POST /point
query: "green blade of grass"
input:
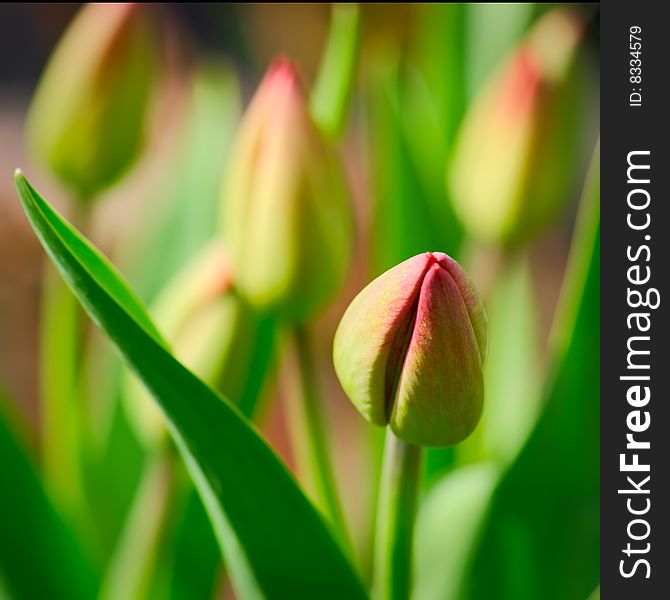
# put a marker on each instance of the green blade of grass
(274, 542)
(39, 555)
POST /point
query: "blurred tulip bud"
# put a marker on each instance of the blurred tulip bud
(87, 118)
(512, 164)
(410, 348)
(208, 328)
(286, 211)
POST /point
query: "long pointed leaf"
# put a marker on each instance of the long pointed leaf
(39, 555)
(537, 532)
(274, 541)
(540, 519)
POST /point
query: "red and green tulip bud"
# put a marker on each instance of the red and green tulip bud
(410, 348)
(87, 118)
(512, 164)
(287, 216)
(207, 327)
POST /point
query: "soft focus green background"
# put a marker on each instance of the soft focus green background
(512, 513)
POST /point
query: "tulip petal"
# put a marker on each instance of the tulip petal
(439, 398)
(472, 299)
(509, 174)
(365, 337)
(287, 216)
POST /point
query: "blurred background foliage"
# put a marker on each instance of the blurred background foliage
(511, 513)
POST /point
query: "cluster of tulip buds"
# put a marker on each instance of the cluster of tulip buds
(410, 348)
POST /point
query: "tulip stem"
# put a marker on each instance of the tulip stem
(398, 495)
(60, 338)
(133, 563)
(312, 441)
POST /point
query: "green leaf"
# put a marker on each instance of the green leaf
(595, 595)
(534, 531)
(182, 214)
(177, 219)
(543, 522)
(331, 96)
(447, 529)
(39, 555)
(190, 574)
(512, 372)
(132, 566)
(274, 541)
(405, 218)
(433, 103)
(436, 98)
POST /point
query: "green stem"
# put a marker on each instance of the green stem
(309, 435)
(398, 495)
(60, 351)
(133, 564)
(332, 91)
(577, 267)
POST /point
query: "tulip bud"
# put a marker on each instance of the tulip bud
(286, 211)
(208, 328)
(512, 162)
(87, 118)
(410, 348)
